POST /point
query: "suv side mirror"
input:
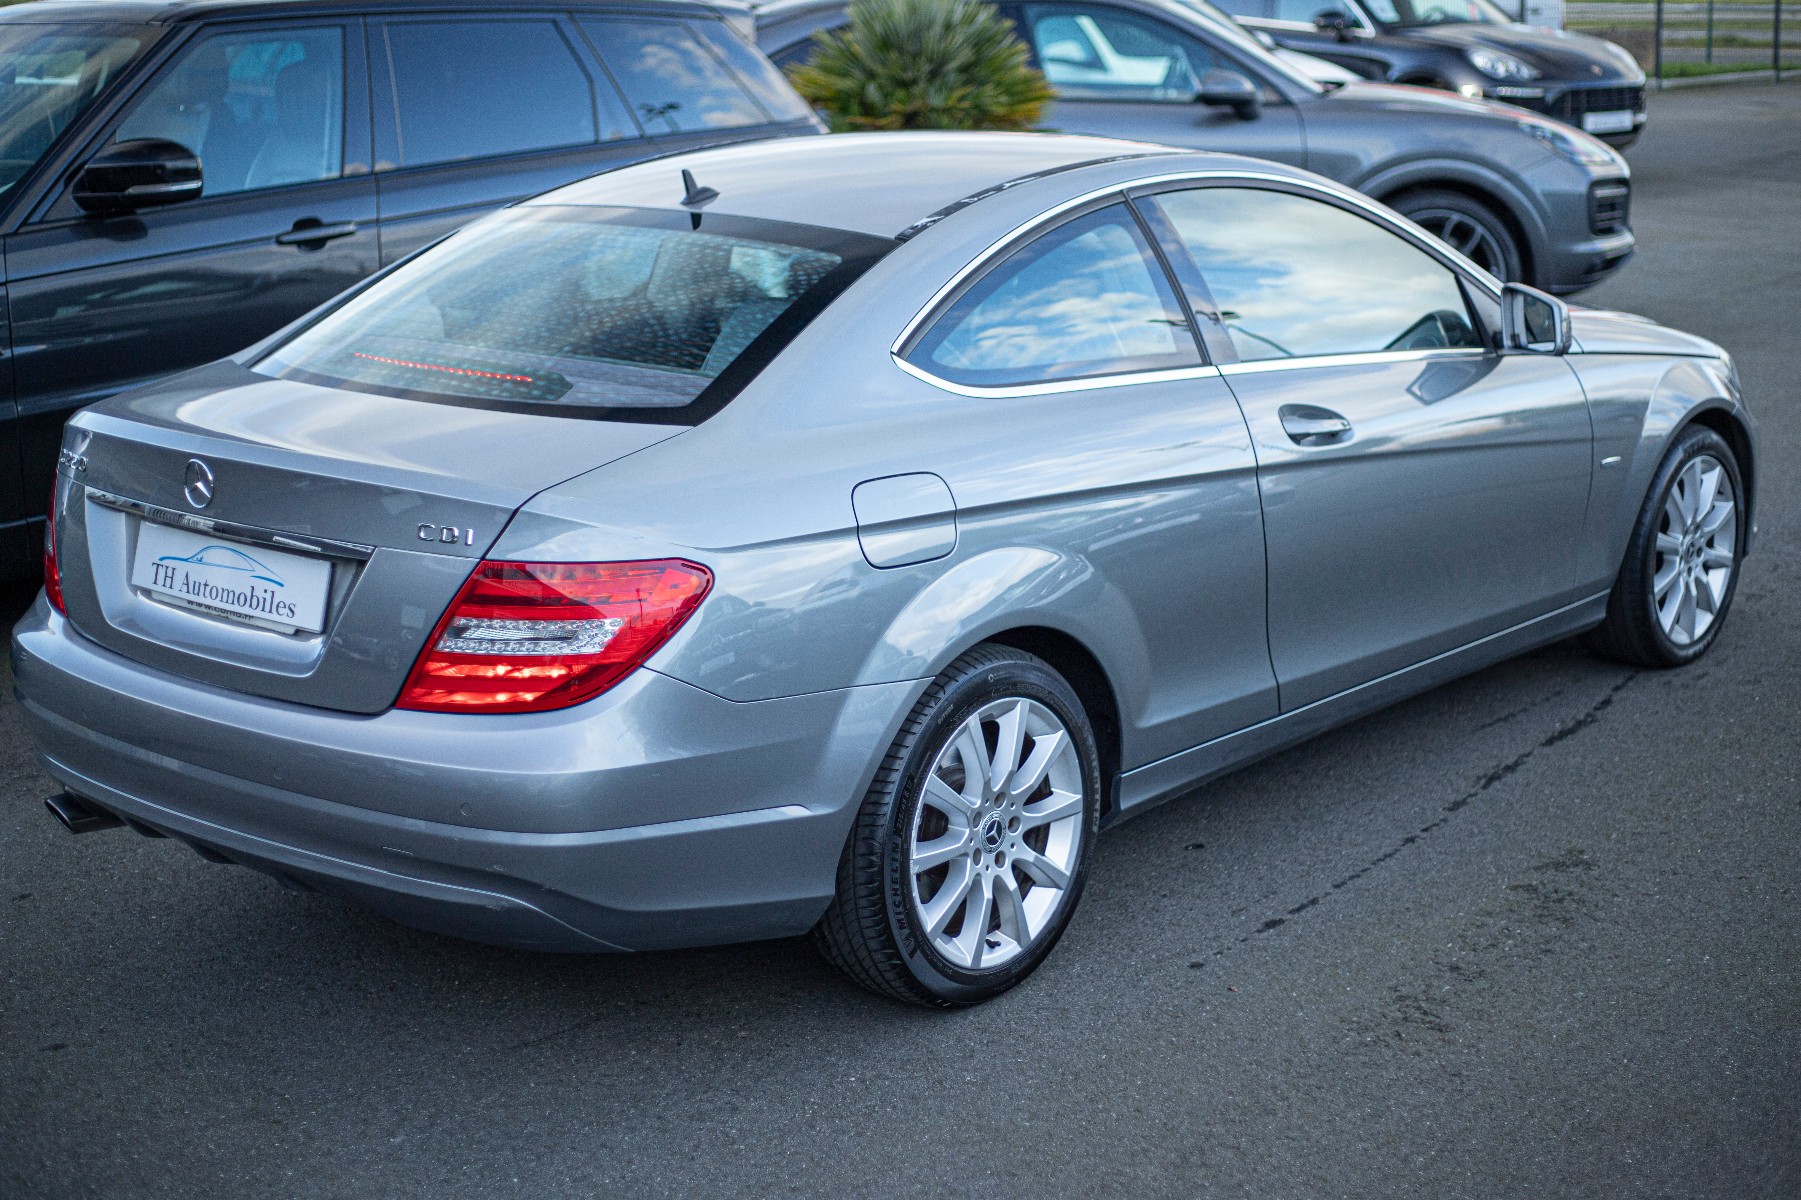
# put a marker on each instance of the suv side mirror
(1229, 89)
(141, 173)
(1335, 23)
(1533, 322)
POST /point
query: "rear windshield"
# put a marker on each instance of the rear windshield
(49, 74)
(632, 314)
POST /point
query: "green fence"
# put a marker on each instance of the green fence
(1675, 39)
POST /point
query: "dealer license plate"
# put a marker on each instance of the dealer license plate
(231, 579)
(1616, 121)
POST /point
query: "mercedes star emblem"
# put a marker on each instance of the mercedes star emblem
(199, 489)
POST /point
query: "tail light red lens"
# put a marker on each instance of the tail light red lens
(53, 576)
(529, 637)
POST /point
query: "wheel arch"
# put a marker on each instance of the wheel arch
(1489, 197)
(1723, 420)
(1078, 665)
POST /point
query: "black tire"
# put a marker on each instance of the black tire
(1633, 631)
(873, 930)
(1468, 226)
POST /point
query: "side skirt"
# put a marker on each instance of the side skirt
(1144, 787)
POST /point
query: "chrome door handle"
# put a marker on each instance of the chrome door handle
(309, 231)
(1306, 425)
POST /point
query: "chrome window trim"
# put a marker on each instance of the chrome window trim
(1055, 386)
(996, 249)
(250, 534)
(1364, 358)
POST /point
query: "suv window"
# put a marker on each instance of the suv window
(479, 88)
(51, 74)
(1087, 298)
(1294, 276)
(673, 83)
(757, 73)
(261, 109)
(1097, 53)
(1305, 12)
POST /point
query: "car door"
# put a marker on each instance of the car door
(278, 114)
(477, 111)
(1094, 432)
(1119, 72)
(1420, 490)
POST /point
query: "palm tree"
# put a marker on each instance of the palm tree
(924, 64)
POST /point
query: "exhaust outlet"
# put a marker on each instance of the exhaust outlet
(78, 816)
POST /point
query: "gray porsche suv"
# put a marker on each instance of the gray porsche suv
(1526, 197)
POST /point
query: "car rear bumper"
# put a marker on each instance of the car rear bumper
(740, 850)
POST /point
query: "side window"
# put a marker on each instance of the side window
(476, 89)
(1087, 298)
(1104, 54)
(1294, 276)
(1306, 12)
(673, 83)
(1246, 8)
(754, 71)
(261, 109)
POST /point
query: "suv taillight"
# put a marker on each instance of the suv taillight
(527, 637)
(53, 576)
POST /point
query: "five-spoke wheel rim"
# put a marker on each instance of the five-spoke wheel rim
(997, 834)
(1464, 234)
(1697, 539)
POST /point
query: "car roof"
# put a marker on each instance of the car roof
(875, 183)
(169, 12)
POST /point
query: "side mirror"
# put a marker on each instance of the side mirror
(1229, 89)
(141, 173)
(1335, 23)
(1533, 322)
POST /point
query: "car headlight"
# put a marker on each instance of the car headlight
(1572, 144)
(1497, 65)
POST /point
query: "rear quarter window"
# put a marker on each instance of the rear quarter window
(673, 81)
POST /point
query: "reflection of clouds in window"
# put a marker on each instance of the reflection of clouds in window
(1083, 300)
(1294, 276)
(672, 81)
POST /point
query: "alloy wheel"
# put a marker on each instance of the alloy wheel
(1465, 235)
(997, 834)
(1697, 540)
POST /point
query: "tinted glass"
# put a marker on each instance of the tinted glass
(1088, 298)
(1308, 11)
(261, 109)
(49, 74)
(1437, 12)
(754, 71)
(1103, 53)
(1294, 276)
(475, 89)
(566, 308)
(673, 82)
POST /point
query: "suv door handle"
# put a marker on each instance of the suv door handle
(311, 231)
(1310, 426)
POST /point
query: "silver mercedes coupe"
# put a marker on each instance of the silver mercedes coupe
(835, 534)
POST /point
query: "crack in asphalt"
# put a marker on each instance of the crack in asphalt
(1567, 730)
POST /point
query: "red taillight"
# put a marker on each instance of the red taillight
(526, 637)
(53, 577)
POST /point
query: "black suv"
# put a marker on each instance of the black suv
(178, 180)
(1467, 46)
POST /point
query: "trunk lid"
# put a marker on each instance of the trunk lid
(398, 498)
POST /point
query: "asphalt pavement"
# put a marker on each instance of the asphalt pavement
(1532, 934)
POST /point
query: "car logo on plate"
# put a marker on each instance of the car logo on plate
(228, 559)
(199, 488)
